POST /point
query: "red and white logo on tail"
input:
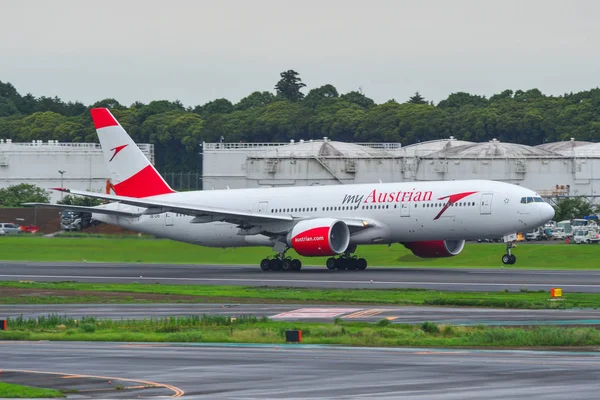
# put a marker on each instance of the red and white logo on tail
(131, 173)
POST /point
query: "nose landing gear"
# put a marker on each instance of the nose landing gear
(509, 258)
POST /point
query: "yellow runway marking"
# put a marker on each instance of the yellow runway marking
(364, 313)
(390, 318)
(176, 391)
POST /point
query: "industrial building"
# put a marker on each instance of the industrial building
(53, 164)
(552, 169)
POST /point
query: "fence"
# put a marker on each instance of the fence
(184, 181)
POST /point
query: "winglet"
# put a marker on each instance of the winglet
(103, 118)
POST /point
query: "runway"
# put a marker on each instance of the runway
(320, 313)
(464, 279)
(297, 371)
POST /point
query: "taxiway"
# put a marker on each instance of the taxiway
(298, 371)
(312, 313)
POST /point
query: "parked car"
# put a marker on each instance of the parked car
(29, 228)
(7, 228)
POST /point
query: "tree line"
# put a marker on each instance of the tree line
(526, 117)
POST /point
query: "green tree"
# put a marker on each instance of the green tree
(255, 100)
(320, 95)
(72, 200)
(462, 99)
(7, 107)
(289, 86)
(109, 103)
(16, 195)
(358, 98)
(218, 106)
(417, 99)
(573, 207)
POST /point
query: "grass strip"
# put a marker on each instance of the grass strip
(11, 391)
(135, 250)
(249, 329)
(523, 299)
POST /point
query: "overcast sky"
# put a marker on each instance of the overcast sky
(196, 51)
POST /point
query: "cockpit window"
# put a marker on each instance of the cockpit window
(527, 200)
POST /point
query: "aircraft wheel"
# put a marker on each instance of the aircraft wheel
(362, 264)
(513, 259)
(276, 264)
(331, 263)
(352, 264)
(286, 264)
(265, 265)
(296, 265)
(506, 259)
(341, 264)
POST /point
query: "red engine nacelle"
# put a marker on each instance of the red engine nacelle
(436, 248)
(319, 237)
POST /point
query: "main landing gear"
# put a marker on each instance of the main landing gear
(280, 263)
(346, 262)
(509, 258)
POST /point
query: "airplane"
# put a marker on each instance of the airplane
(430, 218)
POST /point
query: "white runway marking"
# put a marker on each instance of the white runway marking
(288, 281)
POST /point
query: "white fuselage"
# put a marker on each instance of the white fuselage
(401, 212)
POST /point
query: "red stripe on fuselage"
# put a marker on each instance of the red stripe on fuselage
(145, 183)
(102, 118)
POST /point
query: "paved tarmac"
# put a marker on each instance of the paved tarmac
(297, 371)
(320, 313)
(463, 279)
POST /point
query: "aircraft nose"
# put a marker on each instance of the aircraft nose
(547, 212)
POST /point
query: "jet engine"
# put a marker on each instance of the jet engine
(319, 237)
(436, 248)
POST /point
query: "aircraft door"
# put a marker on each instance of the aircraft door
(263, 206)
(168, 219)
(486, 203)
(405, 209)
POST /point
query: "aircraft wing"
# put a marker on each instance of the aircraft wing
(212, 213)
(96, 210)
(201, 213)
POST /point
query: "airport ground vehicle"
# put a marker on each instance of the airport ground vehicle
(75, 221)
(586, 236)
(559, 233)
(538, 234)
(432, 219)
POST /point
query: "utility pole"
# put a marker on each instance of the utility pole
(61, 182)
